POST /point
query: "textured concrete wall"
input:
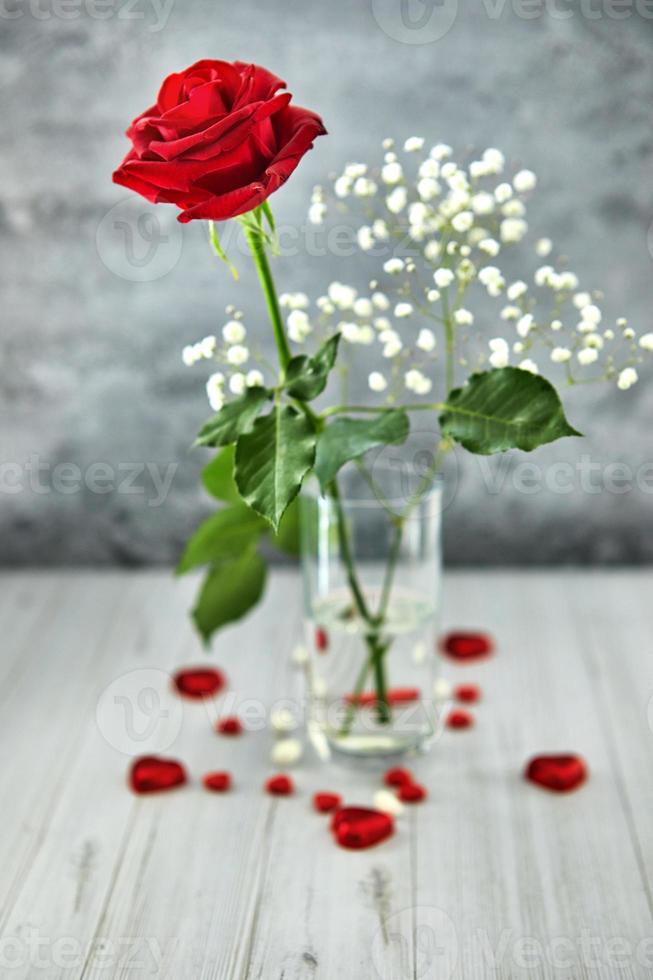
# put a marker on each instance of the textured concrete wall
(91, 371)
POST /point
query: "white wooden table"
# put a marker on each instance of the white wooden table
(492, 877)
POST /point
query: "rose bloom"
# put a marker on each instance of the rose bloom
(220, 139)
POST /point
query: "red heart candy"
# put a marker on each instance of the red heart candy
(218, 782)
(199, 682)
(403, 695)
(321, 639)
(279, 785)
(560, 773)
(397, 777)
(150, 774)
(356, 827)
(229, 726)
(468, 693)
(467, 646)
(325, 802)
(412, 793)
(459, 718)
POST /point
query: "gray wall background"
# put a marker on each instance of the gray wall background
(91, 358)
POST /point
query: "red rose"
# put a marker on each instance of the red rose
(220, 139)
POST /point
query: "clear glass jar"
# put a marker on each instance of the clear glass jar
(371, 556)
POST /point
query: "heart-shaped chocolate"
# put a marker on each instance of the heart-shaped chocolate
(326, 802)
(150, 774)
(199, 682)
(560, 773)
(280, 785)
(356, 827)
(217, 782)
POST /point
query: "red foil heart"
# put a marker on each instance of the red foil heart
(397, 777)
(150, 774)
(396, 695)
(217, 782)
(279, 785)
(229, 726)
(467, 693)
(560, 773)
(464, 646)
(357, 827)
(321, 639)
(326, 802)
(459, 718)
(199, 682)
(412, 793)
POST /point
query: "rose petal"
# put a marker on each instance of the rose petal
(199, 682)
(326, 802)
(459, 718)
(151, 774)
(412, 793)
(279, 785)
(357, 827)
(229, 726)
(467, 646)
(321, 639)
(397, 776)
(467, 693)
(560, 773)
(217, 782)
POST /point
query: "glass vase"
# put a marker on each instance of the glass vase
(371, 557)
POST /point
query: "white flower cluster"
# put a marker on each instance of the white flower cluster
(453, 222)
(232, 353)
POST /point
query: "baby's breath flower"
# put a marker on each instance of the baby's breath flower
(363, 307)
(382, 323)
(524, 181)
(365, 238)
(463, 221)
(432, 295)
(324, 304)
(483, 203)
(215, 391)
(543, 275)
(417, 382)
(443, 278)
(393, 266)
(238, 354)
(463, 317)
(645, 341)
(503, 193)
(556, 325)
(591, 314)
(355, 170)
(525, 325)
(342, 187)
(233, 332)
(189, 355)
(380, 301)
(513, 209)
(492, 279)
(396, 200)
(512, 230)
(594, 340)
(494, 160)
(629, 333)
(380, 230)
(528, 365)
(543, 247)
(510, 313)
(413, 144)
(516, 290)
(254, 379)
(478, 168)
(500, 356)
(428, 188)
(317, 213)
(392, 173)
(582, 299)
(587, 356)
(429, 168)
(343, 296)
(403, 310)
(237, 383)
(299, 326)
(441, 151)
(426, 340)
(490, 247)
(560, 355)
(627, 378)
(377, 381)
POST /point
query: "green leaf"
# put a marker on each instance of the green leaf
(229, 591)
(287, 540)
(218, 476)
(223, 537)
(272, 460)
(306, 377)
(504, 409)
(236, 417)
(219, 251)
(348, 438)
